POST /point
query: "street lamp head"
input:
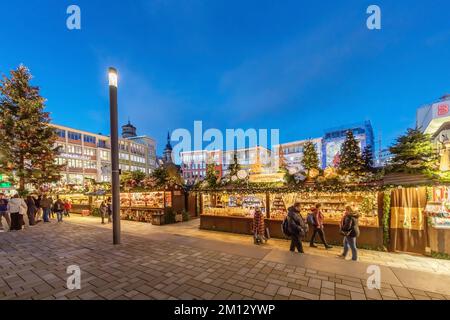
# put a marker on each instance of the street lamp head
(112, 75)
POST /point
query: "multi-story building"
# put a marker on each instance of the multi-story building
(194, 163)
(432, 116)
(88, 155)
(334, 138)
(292, 153)
(328, 147)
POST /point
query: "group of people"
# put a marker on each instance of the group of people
(296, 228)
(20, 212)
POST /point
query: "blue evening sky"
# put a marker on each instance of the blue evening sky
(300, 66)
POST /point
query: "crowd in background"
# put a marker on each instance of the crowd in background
(19, 212)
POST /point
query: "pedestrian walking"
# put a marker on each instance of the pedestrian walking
(109, 203)
(4, 211)
(31, 211)
(297, 227)
(259, 228)
(103, 210)
(39, 213)
(350, 231)
(17, 208)
(318, 228)
(52, 203)
(67, 208)
(58, 208)
(46, 205)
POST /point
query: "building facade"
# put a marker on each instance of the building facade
(194, 163)
(292, 153)
(88, 155)
(334, 138)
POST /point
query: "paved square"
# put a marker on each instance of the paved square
(181, 262)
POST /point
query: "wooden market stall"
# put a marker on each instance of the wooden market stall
(232, 211)
(152, 206)
(437, 212)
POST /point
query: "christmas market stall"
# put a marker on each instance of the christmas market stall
(153, 206)
(232, 210)
(437, 211)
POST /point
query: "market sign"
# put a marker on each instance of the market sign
(267, 177)
(5, 185)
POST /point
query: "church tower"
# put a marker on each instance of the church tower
(128, 131)
(167, 155)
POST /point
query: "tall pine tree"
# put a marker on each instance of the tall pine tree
(234, 167)
(413, 153)
(27, 140)
(367, 158)
(211, 174)
(350, 160)
(310, 158)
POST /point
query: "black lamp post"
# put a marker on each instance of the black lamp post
(115, 182)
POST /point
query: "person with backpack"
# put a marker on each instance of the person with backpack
(295, 227)
(317, 223)
(350, 231)
(58, 208)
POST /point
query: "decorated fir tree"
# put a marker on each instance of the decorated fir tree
(413, 153)
(211, 174)
(27, 140)
(234, 167)
(350, 160)
(367, 158)
(310, 158)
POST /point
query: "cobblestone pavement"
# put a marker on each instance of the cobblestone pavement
(155, 263)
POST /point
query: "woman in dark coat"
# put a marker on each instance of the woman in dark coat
(31, 211)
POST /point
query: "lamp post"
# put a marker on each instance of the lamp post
(115, 182)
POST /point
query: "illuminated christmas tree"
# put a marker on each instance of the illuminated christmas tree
(27, 140)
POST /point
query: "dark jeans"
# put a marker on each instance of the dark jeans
(296, 243)
(46, 214)
(350, 242)
(321, 234)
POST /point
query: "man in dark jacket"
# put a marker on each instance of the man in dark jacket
(350, 231)
(297, 227)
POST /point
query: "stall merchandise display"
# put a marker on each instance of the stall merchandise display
(438, 208)
(233, 204)
(144, 199)
(333, 205)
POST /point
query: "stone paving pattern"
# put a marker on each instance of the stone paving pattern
(34, 261)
